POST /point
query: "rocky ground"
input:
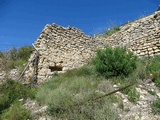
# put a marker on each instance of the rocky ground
(38, 111)
(140, 110)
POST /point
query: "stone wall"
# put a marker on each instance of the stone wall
(141, 36)
(61, 49)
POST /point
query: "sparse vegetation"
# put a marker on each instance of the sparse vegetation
(131, 92)
(113, 30)
(156, 106)
(72, 91)
(109, 32)
(133, 96)
(15, 58)
(153, 68)
(140, 73)
(24, 52)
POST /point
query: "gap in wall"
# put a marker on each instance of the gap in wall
(55, 68)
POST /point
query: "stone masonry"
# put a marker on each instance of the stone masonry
(141, 36)
(61, 49)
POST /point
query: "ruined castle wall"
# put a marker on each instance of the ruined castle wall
(61, 49)
(141, 36)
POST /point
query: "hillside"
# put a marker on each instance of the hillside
(72, 76)
(83, 93)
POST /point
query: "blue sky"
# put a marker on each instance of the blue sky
(21, 21)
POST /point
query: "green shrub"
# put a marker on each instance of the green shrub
(11, 91)
(16, 112)
(4, 103)
(112, 62)
(153, 68)
(156, 106)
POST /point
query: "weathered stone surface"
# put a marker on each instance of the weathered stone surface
(140, 34)
(12, 74)
(141, 109)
